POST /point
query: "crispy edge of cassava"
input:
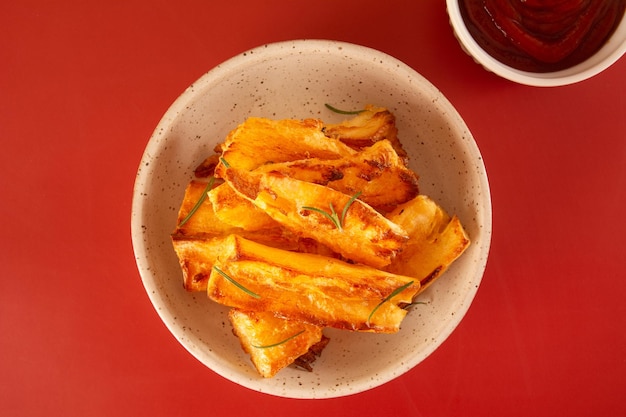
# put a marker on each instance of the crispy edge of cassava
(196, 258)
(365, 236)
(197, 254)
(258, 141)
(377, 172)
(202, 234)
(272, 342)
(371, 125)
(204, 220)
(436, 240)
(206, 224)
(318, 290)
(230, 208)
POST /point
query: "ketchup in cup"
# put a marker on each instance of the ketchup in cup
(541, 35)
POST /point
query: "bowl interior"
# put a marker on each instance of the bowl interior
(294, 80)
(612, 50)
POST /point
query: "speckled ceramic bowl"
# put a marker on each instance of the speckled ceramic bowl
(612, 50)
(294, 80)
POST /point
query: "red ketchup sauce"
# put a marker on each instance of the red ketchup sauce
(541, 35)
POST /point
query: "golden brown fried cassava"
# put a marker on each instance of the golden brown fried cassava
(196, 257)
(234, 210)
(267, 238)
(204, 220)
(377, 172)
(435, 240)
(363, 235)
(368, 127)
(310, 288)
(211, 228)
(272, 342)
(258, 141)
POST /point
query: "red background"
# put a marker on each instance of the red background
(82, 86)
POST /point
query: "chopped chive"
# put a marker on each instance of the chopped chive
(330, 216)
(199, 202)
(223, 161)
(337, 221)
(336, 110)
(347, 206)
(333, 214)
(389, 297)
(235, 283)
(279, 343)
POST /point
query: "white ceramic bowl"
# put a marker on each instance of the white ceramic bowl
(612, 50)
(293, 80)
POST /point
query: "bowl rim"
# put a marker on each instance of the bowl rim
(606, 56)
(179, 105)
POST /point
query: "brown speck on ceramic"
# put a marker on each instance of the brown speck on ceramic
(293, 80)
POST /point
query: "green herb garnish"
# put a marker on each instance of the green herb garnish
(389, 297)
(333, 216)
(199, 202)
(235, 283)
(347, 206)
(406, 307)
(224, 162)
(279, 343)
(336, 110)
